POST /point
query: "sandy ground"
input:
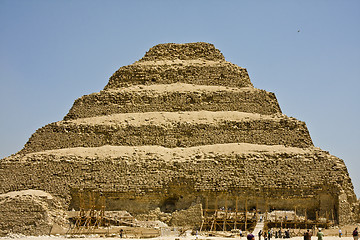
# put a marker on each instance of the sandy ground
(162, 238)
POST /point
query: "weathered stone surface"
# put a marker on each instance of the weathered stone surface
(171, 130)
(204, 73)
(180, 127)
(188, 51)
(155, 215)
(188, 218)
(144, 177)
(29, 212)
(174, 98)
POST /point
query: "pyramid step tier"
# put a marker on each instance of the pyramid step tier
(155, 172)
(215, 73)
(172, 98)
(188, 51)
(171, 129)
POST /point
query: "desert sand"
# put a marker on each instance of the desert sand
(161, 238)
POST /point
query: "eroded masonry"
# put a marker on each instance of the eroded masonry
(182, 131)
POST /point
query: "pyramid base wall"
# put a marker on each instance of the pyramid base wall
(138, 187)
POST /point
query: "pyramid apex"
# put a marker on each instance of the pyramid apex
(183, 51)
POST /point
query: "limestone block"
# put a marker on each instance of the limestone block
(30, 212)
(190, 217)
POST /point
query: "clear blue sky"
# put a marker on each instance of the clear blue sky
(52, 52)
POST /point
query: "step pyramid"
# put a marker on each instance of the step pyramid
(178, 127)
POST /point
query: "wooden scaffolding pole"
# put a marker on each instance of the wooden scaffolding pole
(215, 215)
(226, 213)
(216, 203)
(295, 218)
(246, 215)
(327, 218)
(205, 212)
(236, 211)
(206, 206)
(213, 222)
(256, 209)
(266, 210)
